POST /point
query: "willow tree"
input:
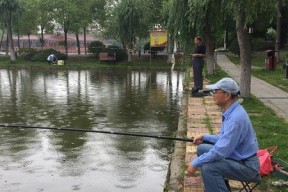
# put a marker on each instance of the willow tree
(78, 19)
(244, 12)
(44, 10)
(8, 8)
(62, 12)
(280, 5)
(131, 20)
(26, 23)
(207, 17)
(168, 14)
(87, 13)
(97, 13)
(176, 20)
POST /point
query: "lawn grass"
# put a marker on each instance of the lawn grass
(270, 129)
(276, 77)
(217, 76)
(89, 62)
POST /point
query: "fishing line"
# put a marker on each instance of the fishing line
(96, 131)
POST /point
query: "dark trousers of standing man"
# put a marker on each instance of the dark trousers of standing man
(198, 65)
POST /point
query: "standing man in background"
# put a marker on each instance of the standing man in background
(198, 65)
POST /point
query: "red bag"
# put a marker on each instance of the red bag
(264, 156)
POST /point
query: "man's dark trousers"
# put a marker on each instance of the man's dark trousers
(198, 65)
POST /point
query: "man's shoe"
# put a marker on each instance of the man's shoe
(193, 94)
(198, 94)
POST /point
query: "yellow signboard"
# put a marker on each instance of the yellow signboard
(158, 38)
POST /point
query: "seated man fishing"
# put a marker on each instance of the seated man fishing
(232, 153)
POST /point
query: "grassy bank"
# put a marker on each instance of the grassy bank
(271, 130)
(276, 78)
(158, 62)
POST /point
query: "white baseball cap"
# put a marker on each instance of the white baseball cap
(226, 84)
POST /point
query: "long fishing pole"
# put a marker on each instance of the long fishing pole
(97, 131)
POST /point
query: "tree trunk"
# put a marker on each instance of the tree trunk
(170, 50)
(1, 41)
(18, 41)
(85, 41)
(10, 39)
(130, 50)
(245, 54)
(210, 51)
(130, 56)
(78, 43)
(171, 47)
(42, 38)
(29, 40)
(65, 41)
(225, 39)
(18, 34)
(278, 34)
(7, 44)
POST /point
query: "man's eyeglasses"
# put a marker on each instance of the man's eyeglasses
(216, 92)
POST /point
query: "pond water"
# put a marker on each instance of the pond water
(104, 99)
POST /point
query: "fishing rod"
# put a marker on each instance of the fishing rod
(97, 131)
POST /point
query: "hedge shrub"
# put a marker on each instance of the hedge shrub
(234, 47)
(120, 53)
(42, 55)
(27, 53)
(96, 47)
(258, 44)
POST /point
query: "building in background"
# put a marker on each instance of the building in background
(54, 41)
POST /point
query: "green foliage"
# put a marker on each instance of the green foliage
(257, 44)
(276, 78)
(260, 44)
(147, 46)
(42, 55)
(179, 25)
(131, 22)
(27, 53)
(8, 10)
(45, 17)
(270, 129)
(271, 33)
(251, 8)
(207, 14)
(120, 53)
(96, 47)
(234, 47)
(26, 24)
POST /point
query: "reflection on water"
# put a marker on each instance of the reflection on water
(108, 99)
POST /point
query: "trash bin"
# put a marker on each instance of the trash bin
(271, 60)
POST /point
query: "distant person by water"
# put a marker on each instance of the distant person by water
(52, 59)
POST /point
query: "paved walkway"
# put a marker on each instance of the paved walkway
(202, 118)
(270, 95)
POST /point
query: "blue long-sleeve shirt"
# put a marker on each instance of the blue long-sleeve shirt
(237, 139)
